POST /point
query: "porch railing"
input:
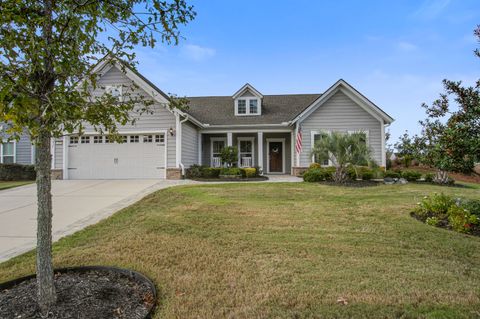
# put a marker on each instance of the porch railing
(216, 162)
(246, 162)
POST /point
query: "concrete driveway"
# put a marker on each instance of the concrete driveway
(76, 204)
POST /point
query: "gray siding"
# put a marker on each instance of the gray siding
(58, 153)
(159, 117)
(189, 144)
(340, 113)
(24, 150)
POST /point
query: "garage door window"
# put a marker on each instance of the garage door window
(73, 139)
(124, 138)
(147, 138)
(85, 139)
(97, 139)
(134, 139)
(160, 138)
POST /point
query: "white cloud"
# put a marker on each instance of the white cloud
(197, 53)
(406, 46)
(430, 9)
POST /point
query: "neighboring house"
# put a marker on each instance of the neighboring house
(164, 142)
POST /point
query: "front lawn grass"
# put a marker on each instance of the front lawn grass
(283, 250)
(12, 184)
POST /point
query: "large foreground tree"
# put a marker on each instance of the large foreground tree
(450, 139)
(46, 48)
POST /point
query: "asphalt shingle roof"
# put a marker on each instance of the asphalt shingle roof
(276, 109)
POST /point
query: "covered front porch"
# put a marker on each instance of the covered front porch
(271, 152)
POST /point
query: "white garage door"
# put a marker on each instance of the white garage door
(98, 157)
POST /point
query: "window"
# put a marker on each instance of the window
(247, 106)
(115, 90)
(160, 138)
(317, 137)
(147, 138)
(245, 152)
(8, 153)
(254, 106)
(134, 139)
(73, 139)
(242, 107)
(85, 139)
(97, 139)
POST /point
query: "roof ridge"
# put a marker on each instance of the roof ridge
(229, 96)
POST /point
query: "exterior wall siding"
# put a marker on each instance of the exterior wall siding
(24, 150)
(158, 117)
(340, 113)
(189, 144)
(58, 154)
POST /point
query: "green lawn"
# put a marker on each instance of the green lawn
(11, 184)
(285, 251)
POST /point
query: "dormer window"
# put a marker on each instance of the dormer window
(248, 101)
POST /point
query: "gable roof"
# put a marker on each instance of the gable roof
(276, 109)
(353, 94)
(247, 87)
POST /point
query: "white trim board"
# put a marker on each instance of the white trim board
(282, 140)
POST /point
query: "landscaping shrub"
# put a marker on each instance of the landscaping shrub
(444, 211)
(195, 171)
(230, 171)
(316, 175)
(210, 172)
(411, 175)
(392, 174)
(17, 172)
(428, 177)
(248, 172)
(367, 175)
(315, 165)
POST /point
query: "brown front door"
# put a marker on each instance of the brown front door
(275, 151)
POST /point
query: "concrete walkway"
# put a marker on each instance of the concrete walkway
(76, 205)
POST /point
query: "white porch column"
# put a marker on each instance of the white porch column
(65, 157)
(52, 151)
(178, 141)
(229, 139)
(260, 150)
(297, 157)
(292, 150)
(200, 147)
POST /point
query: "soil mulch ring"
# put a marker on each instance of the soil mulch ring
(352, 183)
(83, 292)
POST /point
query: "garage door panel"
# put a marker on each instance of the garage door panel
(116, 160)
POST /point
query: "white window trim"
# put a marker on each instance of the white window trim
(247, 105)
(312, 145)
(14, 151)
(283, 154)
(215, 139)
(367, 134)
(108, 89)
(252, 140)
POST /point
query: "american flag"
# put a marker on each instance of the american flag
(298, 144)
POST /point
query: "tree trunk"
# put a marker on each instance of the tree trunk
(441, 177)
(340, 175)
(45, 287)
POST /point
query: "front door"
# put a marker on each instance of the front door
(275, 151)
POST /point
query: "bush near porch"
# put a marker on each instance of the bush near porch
(17, 172)
(206, 172)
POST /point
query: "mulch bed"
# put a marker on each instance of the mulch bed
(99, 294)
(352, 183)
(444, 225)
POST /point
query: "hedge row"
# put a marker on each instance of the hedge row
(17, 172)
(200, 171)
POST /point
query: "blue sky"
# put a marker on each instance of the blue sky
(394, 52)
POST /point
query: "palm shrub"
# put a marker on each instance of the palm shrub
(344, 150)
